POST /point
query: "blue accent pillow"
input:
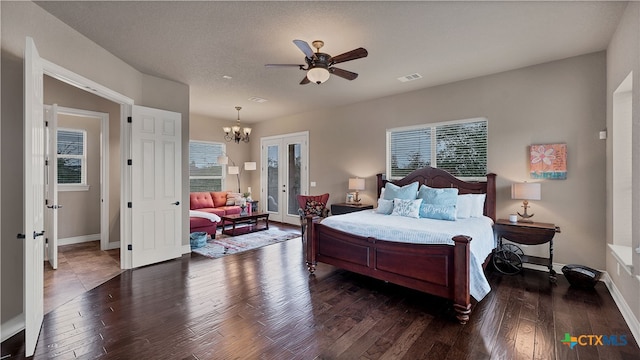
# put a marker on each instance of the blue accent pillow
(385, 207)
(407, 192)
(439, 204)
(408, 208)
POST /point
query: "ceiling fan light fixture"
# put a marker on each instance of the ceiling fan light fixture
(318, 75)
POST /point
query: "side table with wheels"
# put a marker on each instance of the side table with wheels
(508, 257)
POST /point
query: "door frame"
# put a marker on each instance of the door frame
(304, 181)
(104, 169)
(60, 73)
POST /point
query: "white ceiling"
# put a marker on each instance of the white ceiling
(197, 43)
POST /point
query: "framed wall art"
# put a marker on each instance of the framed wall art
(548, 161)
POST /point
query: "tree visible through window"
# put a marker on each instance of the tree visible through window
(459, 147)
(71, 156)
(205, 174)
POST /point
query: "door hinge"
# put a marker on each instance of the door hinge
(21, 236)
(129, 204)
(129, 247)
(46, 163)
(46, 124)
(46, 201)
(46, 240)
(129, 162)
(129, 119)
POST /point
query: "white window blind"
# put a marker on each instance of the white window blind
(205, 174)
(459, 147)
(71, 156)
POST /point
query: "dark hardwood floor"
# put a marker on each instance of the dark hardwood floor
(263, 304)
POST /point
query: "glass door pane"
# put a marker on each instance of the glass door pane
(294, 163)
(273, 176)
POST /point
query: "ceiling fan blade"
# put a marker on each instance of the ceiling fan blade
(350, 55)
(284, 65)
(305, 48)
(305, 81)
(343, 73)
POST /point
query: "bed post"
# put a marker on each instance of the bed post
(462, 298)
(311, 244)
(490, 203)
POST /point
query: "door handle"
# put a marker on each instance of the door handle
(36, 234)
(54, 207)
(175, 203)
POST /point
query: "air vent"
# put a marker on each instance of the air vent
(257, 99)
(411, 77)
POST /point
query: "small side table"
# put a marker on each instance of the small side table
(254, 205)
(510, 257)
(344, 208)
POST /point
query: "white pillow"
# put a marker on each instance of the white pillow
(385, 207)
(477, 209)
(465, 203)
(408, 208)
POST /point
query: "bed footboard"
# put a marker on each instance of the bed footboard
(441, 270)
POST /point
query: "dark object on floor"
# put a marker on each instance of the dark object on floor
(581, 276)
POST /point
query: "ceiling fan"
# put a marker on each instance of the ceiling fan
(319, 66)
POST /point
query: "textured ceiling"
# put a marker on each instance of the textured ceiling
(197, 43)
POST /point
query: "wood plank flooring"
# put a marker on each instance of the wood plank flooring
(263, 304)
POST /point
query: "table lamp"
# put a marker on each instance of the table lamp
(525, 191)
(356, 184)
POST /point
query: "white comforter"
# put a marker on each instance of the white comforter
(368, 223)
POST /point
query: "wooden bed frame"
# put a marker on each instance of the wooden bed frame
(441, 270)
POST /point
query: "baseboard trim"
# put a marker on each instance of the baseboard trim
(186, 249)
(78, 239)
(627, 314)
(12, 327)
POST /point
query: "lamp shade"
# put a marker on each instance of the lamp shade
(318, 75)
(250, 165)
(234, 170)
(525, 191)
(356, 184)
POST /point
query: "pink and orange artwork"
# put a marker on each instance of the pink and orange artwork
(548, 161)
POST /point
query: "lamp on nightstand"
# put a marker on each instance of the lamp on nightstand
(525, 191)
(356, 184)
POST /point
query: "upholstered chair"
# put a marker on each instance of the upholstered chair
(314, 205)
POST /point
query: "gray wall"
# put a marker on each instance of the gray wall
(557, 102)
(623, 57)
(63, 46)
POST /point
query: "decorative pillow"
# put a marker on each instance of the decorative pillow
(314, 208)
(232, 198)
(407, 192)
(465, 203)
(385, 206)
(408, 208)
(477, 209)
(439, 204)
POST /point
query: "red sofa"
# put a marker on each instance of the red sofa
(211, 202)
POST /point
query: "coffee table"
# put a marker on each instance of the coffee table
(251, 219)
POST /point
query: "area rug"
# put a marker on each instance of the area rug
(224, 245)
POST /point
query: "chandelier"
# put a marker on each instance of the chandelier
(234, 133)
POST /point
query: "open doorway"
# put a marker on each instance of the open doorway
(88, 250)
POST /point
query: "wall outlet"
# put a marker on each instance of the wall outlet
(313, 184)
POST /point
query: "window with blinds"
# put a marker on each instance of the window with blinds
(459, 147)
(205, 174)
(72, 159)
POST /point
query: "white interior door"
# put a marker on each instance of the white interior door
(156, 185)
(51, 185)
(284, 175)
(33, 196)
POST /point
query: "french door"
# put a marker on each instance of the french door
(284, 175)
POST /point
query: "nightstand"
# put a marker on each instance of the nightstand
(508, 258)
(344, 208)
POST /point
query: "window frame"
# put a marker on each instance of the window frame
(222, 177)
(82, 185)
(433, 145)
